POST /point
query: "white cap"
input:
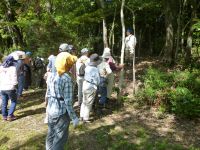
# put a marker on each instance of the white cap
(63, 47)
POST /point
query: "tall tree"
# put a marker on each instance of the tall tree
(122, 49)
(105, 30)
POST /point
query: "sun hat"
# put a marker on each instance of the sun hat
(106, 55)
(18, 54)
(64, 62)
(95, 60)
(21, 57)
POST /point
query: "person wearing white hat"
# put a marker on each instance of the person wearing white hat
(114, 67)
(19, 56)
(104, 71)
(80, 64)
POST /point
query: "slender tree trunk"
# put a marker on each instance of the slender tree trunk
(112, 29)
(139, 42)
(150, 42)
(113, 42)
(178, 29)
(121, 79)
(189, 37)
(105, 31)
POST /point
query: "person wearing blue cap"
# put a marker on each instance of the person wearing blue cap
(130, 43)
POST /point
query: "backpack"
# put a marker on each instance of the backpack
(82, 69)
(38, 63)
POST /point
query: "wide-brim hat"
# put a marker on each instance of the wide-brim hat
(18, 55)
(95, 60)
(21, 57)
(106, 55)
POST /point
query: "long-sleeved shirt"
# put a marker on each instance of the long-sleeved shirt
(104, 69)
(92, 77)
(51, 64)
(60, 96)
(130, 42)
(83, 59)
(8, 78)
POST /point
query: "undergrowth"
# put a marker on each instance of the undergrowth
(172, 91)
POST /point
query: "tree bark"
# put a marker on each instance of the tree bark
(169, 41)
(105, 31)
(121, 79)
(188, 49)
(111, 35)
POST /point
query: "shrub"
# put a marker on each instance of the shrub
(176, 91)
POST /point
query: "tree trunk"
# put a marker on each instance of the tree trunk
(121, 79)
(105, 31)
(178, 29)
(112, 32)
(189, 37)
(139, 42)
(168, 48)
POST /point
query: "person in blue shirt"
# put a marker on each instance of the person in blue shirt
(59, 107)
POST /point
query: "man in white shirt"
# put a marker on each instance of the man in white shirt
(80, 76)
(130, 43)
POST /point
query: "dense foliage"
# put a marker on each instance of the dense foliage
(41, 25)
(172, 91)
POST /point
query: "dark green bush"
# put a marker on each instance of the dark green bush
(175, 91)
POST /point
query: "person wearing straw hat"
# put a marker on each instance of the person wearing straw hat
(59, 107)
(90, 85)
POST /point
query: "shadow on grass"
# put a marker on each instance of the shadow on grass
(4, 140)
(31, 112)
(35, 143)
(126, 133)
(31, 99)
(123, 135)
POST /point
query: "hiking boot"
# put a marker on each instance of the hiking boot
(11, 118)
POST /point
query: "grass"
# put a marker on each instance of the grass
(120, 129)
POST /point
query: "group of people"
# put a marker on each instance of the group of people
(92, 73)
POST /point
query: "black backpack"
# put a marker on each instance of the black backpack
(38, 63)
